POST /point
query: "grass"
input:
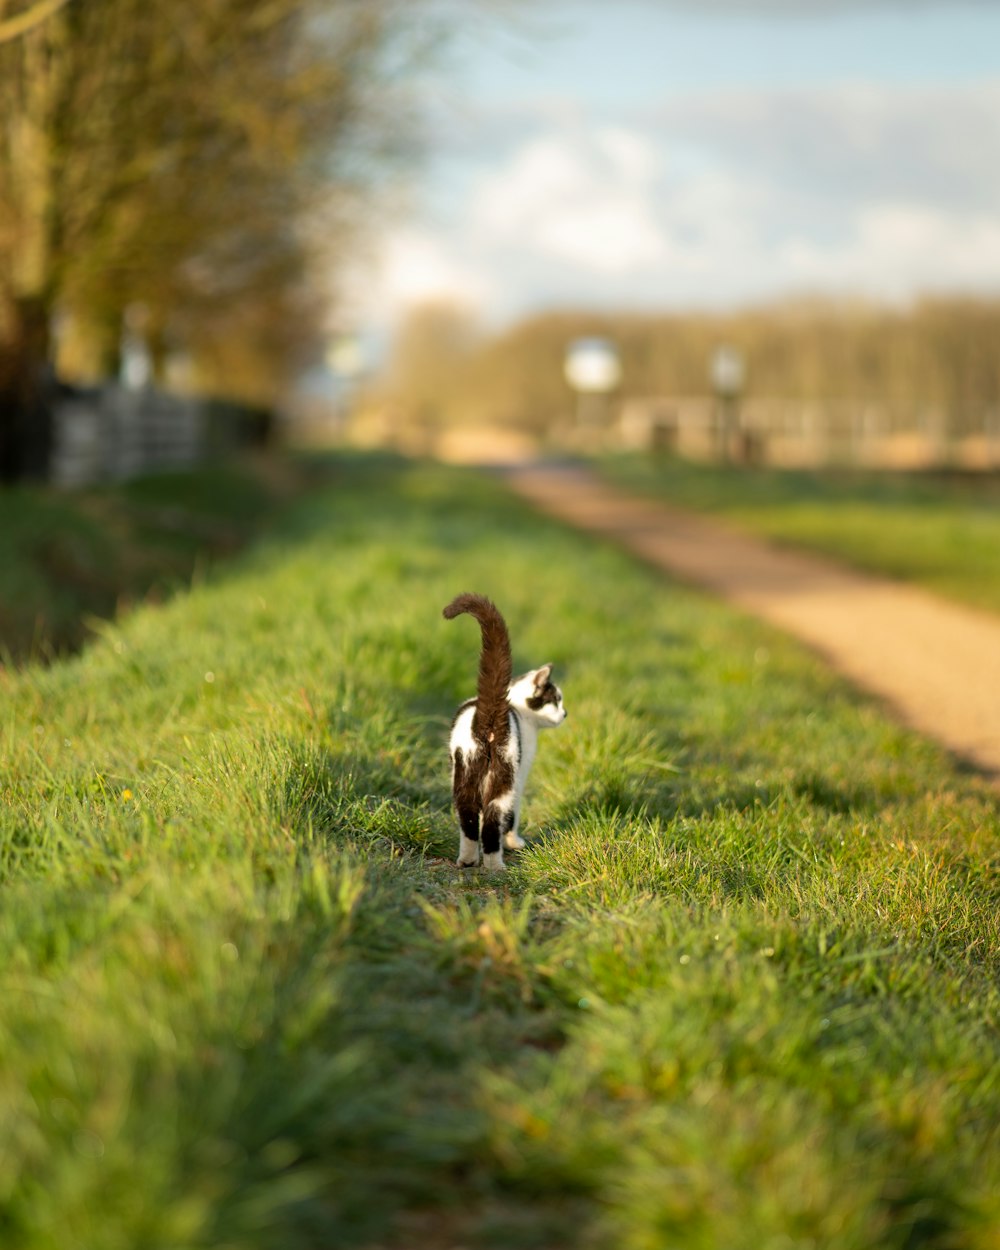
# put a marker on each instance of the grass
(937, 530)
(66, 557)
(740, 990)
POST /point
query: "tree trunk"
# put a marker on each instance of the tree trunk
(26, 394)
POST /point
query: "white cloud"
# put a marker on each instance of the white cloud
(578, 198)
(631, 154)
(895, 249)
(416, 266)
(886, 192)
(933, 145)
(721, 198)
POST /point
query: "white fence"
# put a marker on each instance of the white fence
(114, 433)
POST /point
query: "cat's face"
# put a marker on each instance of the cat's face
(538, 695)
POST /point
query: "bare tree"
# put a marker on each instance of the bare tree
(186, 157)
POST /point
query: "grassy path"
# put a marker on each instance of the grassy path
(935, 531)
(937, 663)
(740, 990)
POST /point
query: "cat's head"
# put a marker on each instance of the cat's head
(537, 695)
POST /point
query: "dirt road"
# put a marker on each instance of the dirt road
(936, 663)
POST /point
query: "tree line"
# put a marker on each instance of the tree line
(937, 361)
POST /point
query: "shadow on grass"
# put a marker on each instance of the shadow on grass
(426, 1009)
(352, 796)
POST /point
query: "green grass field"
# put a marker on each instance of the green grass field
(741, 989)
(939, 531)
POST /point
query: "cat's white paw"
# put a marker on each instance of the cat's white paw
(493, 861)
(513, 841)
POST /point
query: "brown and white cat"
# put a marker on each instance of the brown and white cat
(494, 738)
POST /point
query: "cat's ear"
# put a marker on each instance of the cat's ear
(541, 676)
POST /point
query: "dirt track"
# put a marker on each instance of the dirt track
(936, 663)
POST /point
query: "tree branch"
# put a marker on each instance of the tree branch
(13, 27)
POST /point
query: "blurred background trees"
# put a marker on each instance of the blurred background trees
(935, 362)
(194, 164)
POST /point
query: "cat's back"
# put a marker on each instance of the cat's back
(461, 735)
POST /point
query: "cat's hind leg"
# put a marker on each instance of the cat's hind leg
(497, 823)
(466, 800)
(468, 840)
(512, 840)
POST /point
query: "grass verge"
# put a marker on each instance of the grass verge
(68, 556)
(940, 531)
(740, 990)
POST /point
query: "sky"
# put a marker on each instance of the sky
(644, 155)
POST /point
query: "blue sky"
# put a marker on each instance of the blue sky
(624, 51)
(633, 154)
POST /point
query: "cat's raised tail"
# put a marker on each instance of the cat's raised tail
(491, 724)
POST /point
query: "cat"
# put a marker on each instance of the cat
(493, 739)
